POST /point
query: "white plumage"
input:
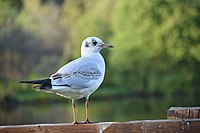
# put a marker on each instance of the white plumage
(81, 77)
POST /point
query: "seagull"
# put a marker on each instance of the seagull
(80, 77)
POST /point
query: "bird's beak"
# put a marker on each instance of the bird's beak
(104, 45)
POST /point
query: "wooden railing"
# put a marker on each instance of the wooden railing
(179, 120)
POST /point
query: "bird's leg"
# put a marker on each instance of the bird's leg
(74, 112)
(86, 111)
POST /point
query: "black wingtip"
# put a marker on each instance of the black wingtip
(22, 81)
(42, 81)
(26, 82)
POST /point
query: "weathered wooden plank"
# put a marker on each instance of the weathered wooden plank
(52, 128)
(177, 122)
(183, 113)
(163, 126)
(178, 126)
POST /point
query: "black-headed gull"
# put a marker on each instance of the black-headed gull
(79, 78)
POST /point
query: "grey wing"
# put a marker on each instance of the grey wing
(77, 74)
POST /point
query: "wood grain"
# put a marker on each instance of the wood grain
(179, 120)
(175, 113)
(144, 126)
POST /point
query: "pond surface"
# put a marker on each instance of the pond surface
(125, 109)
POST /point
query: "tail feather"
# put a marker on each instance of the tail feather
(44, 83)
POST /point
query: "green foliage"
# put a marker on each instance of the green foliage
(86, 18)
(9, 10)
(155, 44)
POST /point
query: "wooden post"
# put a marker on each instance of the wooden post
(175, 113)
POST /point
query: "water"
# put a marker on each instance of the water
(125, 109)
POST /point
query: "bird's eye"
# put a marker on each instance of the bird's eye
(94, 43)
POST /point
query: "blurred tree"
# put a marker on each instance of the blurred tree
(155, 45)
(27, 38)
(86, 18)
(42, 21)
(9, 11)
(70, 15)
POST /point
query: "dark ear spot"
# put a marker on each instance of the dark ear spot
(86, 44)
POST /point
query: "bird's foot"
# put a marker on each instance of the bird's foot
(75, 122)
(84, 122)
(87, 121)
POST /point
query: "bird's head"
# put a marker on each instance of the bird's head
(93, 44)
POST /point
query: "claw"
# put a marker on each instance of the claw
(87, 121)
(75, 122)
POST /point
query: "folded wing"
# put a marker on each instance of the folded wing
(78, 74)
